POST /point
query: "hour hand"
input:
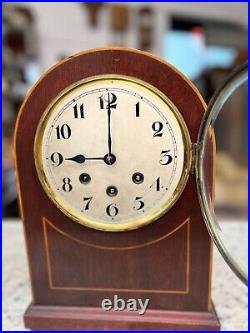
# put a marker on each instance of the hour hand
(81, 159)
(78, 159)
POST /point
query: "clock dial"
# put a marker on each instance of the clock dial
(112, 153)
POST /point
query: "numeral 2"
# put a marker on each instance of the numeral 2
(157, 128)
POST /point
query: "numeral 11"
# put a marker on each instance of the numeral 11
(79, 112)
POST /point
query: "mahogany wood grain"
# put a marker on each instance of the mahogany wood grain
(75, 318)
(168, 261)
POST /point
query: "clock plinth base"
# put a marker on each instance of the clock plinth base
(45, 317)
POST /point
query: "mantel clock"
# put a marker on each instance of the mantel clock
(115, 166)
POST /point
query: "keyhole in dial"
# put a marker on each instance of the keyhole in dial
(84, 178)
(112, 191)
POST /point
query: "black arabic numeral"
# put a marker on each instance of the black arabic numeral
(137, 109)
(79, 111)
(112, 210)
(138, 203)
(63, 132)
(101, 102)
(157, 127)
(56, 159)
(166, 157)
(108, 99)
(88, 202)
(157, 184)
(67, 187)
(111, 99)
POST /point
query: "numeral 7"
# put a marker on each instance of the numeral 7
(88, 202)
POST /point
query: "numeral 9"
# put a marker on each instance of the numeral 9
(56, 159)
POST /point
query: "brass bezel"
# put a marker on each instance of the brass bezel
(75, 216)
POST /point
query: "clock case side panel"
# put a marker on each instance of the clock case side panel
(35, 204)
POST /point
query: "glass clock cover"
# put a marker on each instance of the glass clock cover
(212, 222)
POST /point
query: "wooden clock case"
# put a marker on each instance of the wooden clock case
(72, 267)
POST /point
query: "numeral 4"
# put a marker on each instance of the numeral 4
(157, 184)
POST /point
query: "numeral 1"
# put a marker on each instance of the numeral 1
(137, 109)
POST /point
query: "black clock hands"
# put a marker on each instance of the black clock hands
(78, 159)
(81, 159)
(110, 158)
(109, 132)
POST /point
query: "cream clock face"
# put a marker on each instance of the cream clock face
(112, 153)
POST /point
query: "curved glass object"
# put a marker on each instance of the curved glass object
(216, 229)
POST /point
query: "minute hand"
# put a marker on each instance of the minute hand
(109, 132)
(109, 158)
